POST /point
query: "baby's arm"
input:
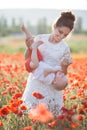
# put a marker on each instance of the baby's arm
(33, 46)
(34, 58)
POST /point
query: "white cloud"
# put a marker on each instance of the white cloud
(44, 4)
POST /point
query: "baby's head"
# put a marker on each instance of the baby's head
(61, 81)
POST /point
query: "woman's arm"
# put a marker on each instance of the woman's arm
(66, 60)
(65, 63)
(64, 68)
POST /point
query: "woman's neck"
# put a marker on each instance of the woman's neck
(51, 39)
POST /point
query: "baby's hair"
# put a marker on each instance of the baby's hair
(66, 19)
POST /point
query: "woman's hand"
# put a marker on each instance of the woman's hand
(64, 68)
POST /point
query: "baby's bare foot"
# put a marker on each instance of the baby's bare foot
(24, 29)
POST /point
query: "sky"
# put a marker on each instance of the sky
(45, 4)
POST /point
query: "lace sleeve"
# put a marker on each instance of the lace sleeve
(66, 60)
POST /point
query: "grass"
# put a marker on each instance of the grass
(77, 44)
(12, 45)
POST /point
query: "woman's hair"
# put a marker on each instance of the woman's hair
(66, 19)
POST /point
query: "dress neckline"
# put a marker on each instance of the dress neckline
(52, 42)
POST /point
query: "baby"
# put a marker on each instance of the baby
(45, 72)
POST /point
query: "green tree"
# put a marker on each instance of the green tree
(42, 26)
(3, 26)
(78, 25)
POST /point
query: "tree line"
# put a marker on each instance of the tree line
(40, 27)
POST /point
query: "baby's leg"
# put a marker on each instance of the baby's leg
(24, 29)
(29, 38)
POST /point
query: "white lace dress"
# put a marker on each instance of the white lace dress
(53, 54)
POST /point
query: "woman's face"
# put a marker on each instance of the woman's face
(60, 33)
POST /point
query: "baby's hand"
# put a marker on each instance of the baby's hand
(36, 44)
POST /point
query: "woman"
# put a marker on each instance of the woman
(43, 72)
(54, 52)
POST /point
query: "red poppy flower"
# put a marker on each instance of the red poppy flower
(4, 111)
(1, 123)
(74, 125)
(28, 128)
(17, 95)
(41, 113)
(53, 123)
(66, 129)
(23, 107)
(37, 95)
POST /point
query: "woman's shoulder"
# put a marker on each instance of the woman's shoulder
(65, 44)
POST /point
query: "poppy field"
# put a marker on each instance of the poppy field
(13, 116)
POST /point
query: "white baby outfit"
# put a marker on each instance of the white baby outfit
(39, 73)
